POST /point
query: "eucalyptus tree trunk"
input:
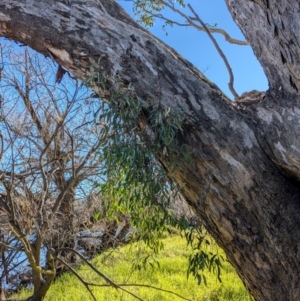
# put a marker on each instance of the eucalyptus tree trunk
(244, 179)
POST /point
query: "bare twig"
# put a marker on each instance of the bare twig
(2, 244)
(190, 22)
(2, 146)
(203, 27)
(221, 53)
(86, 284)
(144, 285)
(109, 281)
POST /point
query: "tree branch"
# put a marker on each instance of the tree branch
(144, 285)
(190, 22)
(109, 281)
(221, 53)
(86, 284)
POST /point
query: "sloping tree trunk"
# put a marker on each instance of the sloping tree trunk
(244, 180)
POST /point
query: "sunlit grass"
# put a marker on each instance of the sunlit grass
(170, 275)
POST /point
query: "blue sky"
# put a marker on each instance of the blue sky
(198, 48)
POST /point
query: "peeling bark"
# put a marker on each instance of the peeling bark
(244, 180)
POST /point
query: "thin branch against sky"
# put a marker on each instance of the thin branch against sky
(195, 46)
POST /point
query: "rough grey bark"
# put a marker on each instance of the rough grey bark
(273, 30)
(244, 180)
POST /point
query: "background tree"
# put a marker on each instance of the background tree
(54, 155)
(49, 164)
(244, 178)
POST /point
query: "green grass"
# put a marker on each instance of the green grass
(171, 275)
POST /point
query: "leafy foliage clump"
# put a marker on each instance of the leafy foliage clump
(205, 256)
(135, 182)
